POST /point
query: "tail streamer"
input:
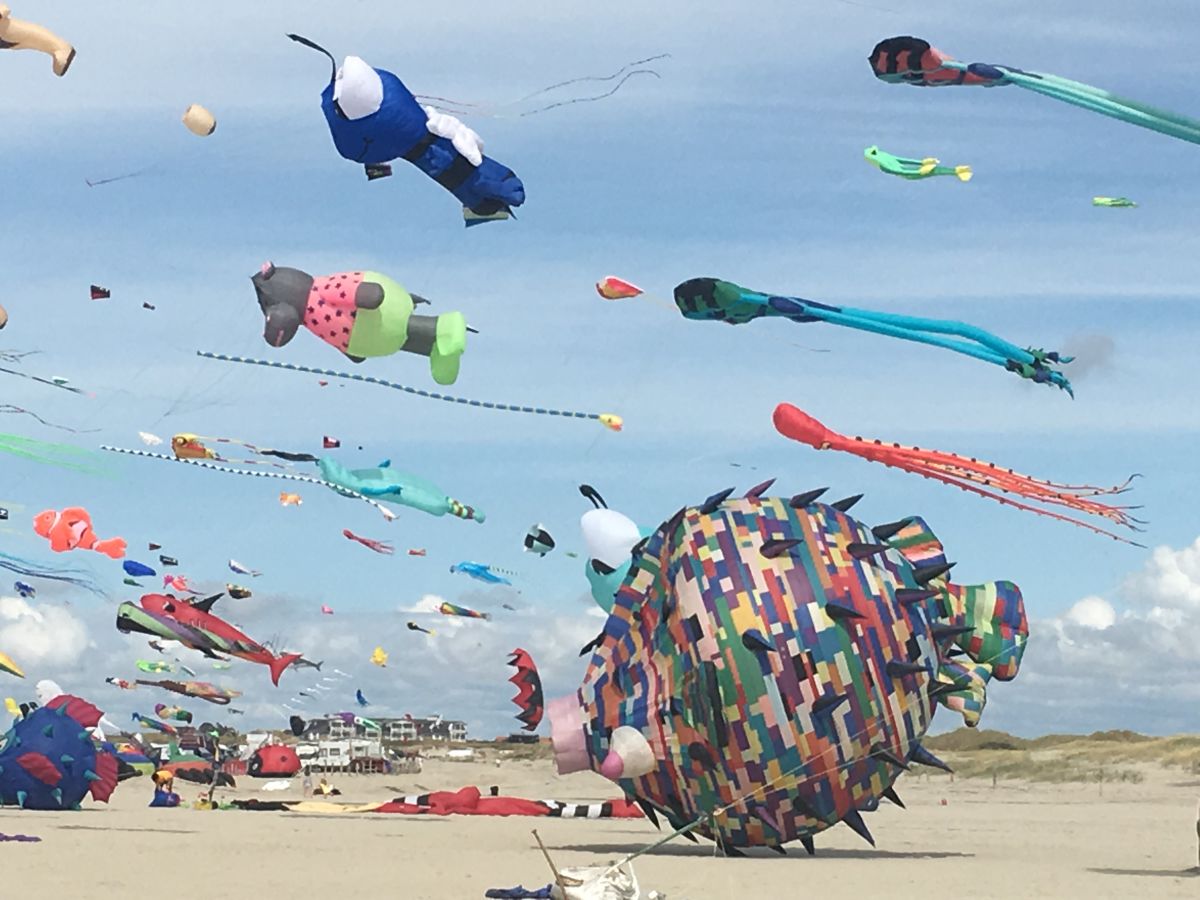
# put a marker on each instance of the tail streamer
(608, 420)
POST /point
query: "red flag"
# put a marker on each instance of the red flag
(99, 293)
(330, 443)
(417, 551)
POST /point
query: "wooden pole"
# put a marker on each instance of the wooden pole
(558, 878)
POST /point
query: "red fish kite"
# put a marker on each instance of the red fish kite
(613, 288)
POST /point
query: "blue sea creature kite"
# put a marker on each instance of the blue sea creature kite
(723, 301)
(480, 572)
(135, 569)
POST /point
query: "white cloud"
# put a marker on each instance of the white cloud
(1092, 612)
(1125, 663)
(46, 636)
(1171, 579)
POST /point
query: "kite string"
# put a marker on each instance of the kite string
(17, 410)
(418, 392)
(464, 107)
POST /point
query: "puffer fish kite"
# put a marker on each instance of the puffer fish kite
(913, 169)
(379, 657)
(771, 665)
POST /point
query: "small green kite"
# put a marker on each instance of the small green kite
(913, 169)
(1121, 202)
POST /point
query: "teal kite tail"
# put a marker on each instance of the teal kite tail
(455, 508)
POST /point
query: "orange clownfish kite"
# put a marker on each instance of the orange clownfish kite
(71, 529)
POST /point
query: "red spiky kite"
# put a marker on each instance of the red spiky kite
(529, 689)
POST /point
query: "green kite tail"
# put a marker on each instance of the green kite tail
(42, 452)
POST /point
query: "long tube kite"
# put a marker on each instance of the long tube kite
(910, 60)
(967, 473)
(611, 421)
(723, 301)
(201, 690)
(451, 609)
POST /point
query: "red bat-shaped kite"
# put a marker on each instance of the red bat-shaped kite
(529, 689)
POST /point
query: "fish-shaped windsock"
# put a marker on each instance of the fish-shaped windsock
(375, 119)
(71, 529)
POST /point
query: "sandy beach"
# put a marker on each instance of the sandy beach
(1015, 840)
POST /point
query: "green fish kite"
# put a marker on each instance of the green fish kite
(1112, 201)
(913, 169)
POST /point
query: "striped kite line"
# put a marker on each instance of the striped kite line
(286, 476)
(607, 419)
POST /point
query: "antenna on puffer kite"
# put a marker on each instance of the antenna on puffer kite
(592, 494)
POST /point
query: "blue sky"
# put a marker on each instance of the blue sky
(745, 162)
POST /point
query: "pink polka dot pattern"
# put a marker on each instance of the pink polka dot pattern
(330, 313)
